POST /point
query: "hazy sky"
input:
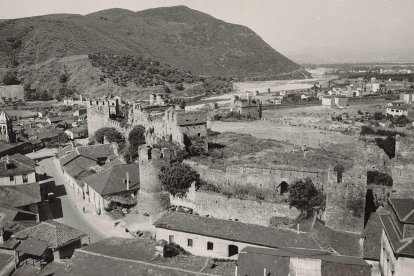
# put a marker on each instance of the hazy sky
(285, 24)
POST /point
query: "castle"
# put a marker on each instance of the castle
(161, 121)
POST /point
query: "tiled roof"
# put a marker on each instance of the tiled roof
(53, 233)
(372, 234)
(404, 208)
(113, 180)
(32, 246)
(18, 164)
(253, 261)
(20, 195)
(399, 246)
(10, 214)
(97, 151)
(344, 243)
(236, 231)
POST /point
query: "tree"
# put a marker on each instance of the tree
(177, 178)
(111, 134)
(136, 138)
(388, 145)
(10, 78)
(378, 116)
(305, 197)
(63, 78)
(182, 104)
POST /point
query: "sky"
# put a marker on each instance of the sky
(287, 25)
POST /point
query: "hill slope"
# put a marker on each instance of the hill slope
(184, 38)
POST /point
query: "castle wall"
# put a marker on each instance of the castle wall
(403, 170)
(267, 179)
(222, 207)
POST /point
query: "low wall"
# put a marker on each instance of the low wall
(222, 207)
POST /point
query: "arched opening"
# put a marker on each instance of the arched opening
(233, 250)
(339, 169)
(284, 187)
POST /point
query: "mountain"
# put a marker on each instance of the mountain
(322, 55)
(183, 38)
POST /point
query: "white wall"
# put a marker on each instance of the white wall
(18, 179)
(199, 248)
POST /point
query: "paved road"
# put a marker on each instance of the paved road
(71, 214)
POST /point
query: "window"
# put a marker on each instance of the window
(11, 177)
(171, 238)
(190, 242)
(25, 179)
(210, 246)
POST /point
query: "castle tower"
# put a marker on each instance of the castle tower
(151, 198)
(6, 128)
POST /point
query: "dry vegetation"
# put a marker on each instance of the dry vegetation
(236, 149)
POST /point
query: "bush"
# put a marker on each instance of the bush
(378, 178)
(63, 78)
(357, 206)
(388, 145)
(306, 197)
(111, 134)
(177, 178)
(10, 78)
(378, 116)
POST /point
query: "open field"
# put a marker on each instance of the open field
(295, 135)
(241, 149)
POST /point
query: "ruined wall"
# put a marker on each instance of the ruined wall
(403, 170)
(261, 178)
(222, 207)
(98, 117)
(345, 201)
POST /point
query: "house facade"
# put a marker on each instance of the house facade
(216, 238)
(17, 169)
(397, 249)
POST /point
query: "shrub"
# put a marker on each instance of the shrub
(378, 116)
(177, 178)
(378, 178)
(387, 144)
(306, 197)
(356, 205)
(10, 78)
(111, 134)
(63, 78)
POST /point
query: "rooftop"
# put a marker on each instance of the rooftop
(20, 195)
(372, 234)
(10, 214)
(399, 246)
(113, 179)
(53, 233)
(404, 208)
(16, 164)
(236, 231)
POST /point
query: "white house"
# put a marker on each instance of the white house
(217, 238)
(397, 248)
(397, 110)
(17, 169)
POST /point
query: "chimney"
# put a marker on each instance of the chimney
(127, 180)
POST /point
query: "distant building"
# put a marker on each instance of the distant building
(54, 120)
(77, 133)
(294, 261)
(224, 238)
(17, 169)
(397, 110)
(397, 248)
(246, 106)
(6, 128)
(407, 97)
(69, 101)
(335, 101)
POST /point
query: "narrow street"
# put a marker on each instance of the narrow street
(70, 213)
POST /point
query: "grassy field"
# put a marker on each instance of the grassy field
(241, 149)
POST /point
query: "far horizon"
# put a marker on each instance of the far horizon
(346, 31)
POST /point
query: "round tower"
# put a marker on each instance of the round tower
(151, 198)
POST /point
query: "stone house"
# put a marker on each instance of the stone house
(77, 133)
(58, 240)
(118, 180)
(397, 110)
(397, 249)
(17, 169)
(335, 101)
(298, 261)
(246, 106)
(217, 238)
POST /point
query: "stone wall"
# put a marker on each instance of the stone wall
(99, 118)
(222, 207)
(268, 179)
